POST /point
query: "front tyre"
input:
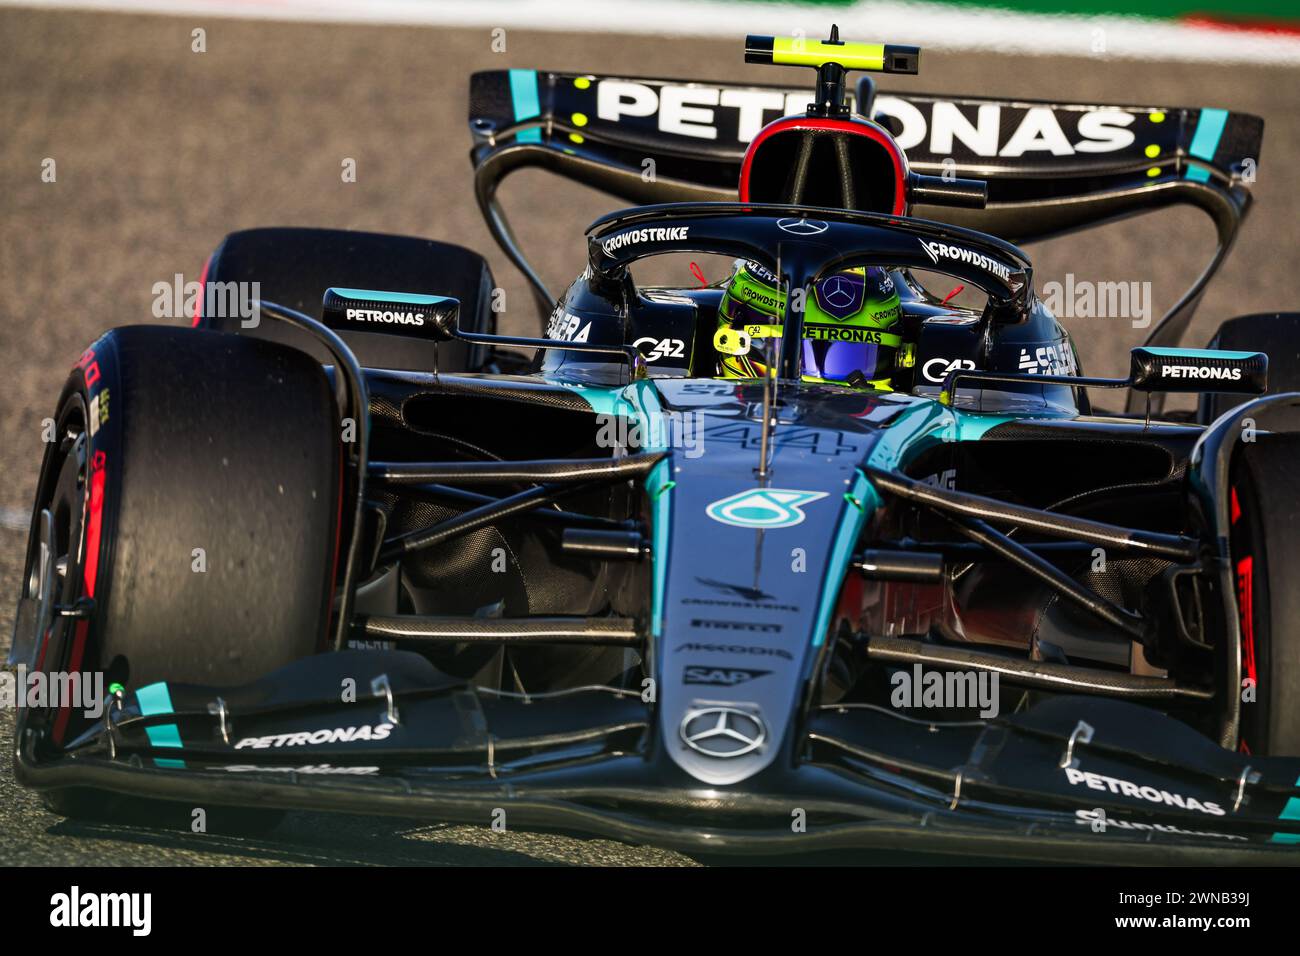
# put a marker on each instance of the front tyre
(186, 521)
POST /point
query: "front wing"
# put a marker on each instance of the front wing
(1049, 785)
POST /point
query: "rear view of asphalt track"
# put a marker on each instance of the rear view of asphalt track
(159, 151)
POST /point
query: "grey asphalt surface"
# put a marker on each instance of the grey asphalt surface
(160, 151)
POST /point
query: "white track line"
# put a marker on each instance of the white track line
(924, 24)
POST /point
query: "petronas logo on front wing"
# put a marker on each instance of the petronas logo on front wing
(763, 508)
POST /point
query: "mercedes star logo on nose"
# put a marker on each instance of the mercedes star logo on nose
(803, 227)
(722, 731)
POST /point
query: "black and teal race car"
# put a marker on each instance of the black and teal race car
(354, 550)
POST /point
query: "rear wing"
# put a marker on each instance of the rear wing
(1050, 167)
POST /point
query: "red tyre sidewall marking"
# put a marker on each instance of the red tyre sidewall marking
(1246, 612)
(1245, 571)
(203, 291)
(90, 572)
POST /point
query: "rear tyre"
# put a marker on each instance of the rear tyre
(190, 506)
(1265, 547)
(294, 267)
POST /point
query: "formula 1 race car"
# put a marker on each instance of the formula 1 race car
(812, 557)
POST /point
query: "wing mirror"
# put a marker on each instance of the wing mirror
(1197, 370)
(1151, 369)
(430, 317)
(436, 318)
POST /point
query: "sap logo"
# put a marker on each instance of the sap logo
(937, 369)
(721, 676)
(951, 131)
(661, 348)
(691, 110)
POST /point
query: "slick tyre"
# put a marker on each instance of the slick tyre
(186, 520)
(1265, 548)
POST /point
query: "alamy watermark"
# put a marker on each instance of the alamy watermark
(179, 299)
(679, 430)
(54, 690)
(1081, 299)
(949, 690)
(80, 909)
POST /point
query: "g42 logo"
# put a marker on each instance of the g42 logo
(937, 369)
(661, 348)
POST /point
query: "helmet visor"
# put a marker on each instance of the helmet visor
(844, 361)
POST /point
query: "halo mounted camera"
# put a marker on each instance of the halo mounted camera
(832, 59)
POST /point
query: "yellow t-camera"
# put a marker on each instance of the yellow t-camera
(800, 51)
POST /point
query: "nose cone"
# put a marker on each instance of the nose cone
(751, 566)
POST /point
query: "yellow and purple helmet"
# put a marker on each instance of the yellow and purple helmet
(851, 327)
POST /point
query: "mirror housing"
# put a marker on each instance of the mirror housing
(1197, 370)
(430, 317)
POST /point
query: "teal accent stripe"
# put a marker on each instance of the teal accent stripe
(526, 102)
(1289, 812)
(661, 499)
(640, 403)
(649, 415)
(1209, 130)
(603, 401)
(846, 537)
(155, 699)
(1200, 353)
(410, 298)
(165, 735)
(972, 427)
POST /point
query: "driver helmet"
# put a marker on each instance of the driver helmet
(851, 329)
